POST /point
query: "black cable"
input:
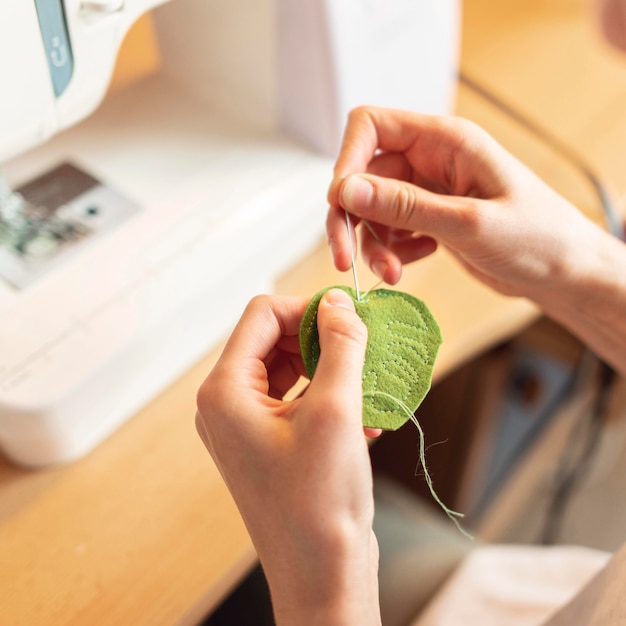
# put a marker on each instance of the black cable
(611, 216)
(569, 476)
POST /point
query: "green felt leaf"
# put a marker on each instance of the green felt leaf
(403, 340)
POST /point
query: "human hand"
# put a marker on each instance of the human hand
(298, 470)
(420, 181)
(612, 19)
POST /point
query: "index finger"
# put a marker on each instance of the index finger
(368, 130)
(447, 155)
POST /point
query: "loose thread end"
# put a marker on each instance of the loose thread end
(453, 515)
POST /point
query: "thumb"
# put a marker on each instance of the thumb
(343, 339)
(400, 204)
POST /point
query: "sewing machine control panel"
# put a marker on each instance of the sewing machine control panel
(51, 217)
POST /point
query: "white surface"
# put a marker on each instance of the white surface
(512, 585)
(301, 66)
(333, 56)
(226, 209)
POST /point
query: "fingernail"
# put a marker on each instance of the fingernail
(356, 192)
(338, 297)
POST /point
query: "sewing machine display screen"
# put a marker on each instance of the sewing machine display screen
(52, 217)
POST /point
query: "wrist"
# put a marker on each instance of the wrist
(588, 295)
(335, 587)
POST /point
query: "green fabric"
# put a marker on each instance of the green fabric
(403, 340)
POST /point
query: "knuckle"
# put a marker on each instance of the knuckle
(359, 112)
(461, 126)
(401, 206)
(467, 219)
(212, 395)
(258, 303)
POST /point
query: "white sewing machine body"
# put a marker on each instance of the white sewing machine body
(182, 195)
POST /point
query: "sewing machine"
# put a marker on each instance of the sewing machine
(135, 226)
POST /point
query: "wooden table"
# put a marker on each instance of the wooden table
(143, 530)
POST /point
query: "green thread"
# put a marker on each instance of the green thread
(453, 515)
(376, 286)
(374, 233)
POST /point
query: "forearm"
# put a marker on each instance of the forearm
(589, 297)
